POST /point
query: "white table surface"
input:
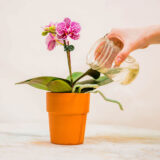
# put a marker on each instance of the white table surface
(102, 142)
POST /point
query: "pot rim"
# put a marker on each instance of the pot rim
(66, 93)
(68, 103)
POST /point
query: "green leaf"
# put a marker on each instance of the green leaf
(41, 82)
(75, 76)
(59, 86)
(93, 73)
(65, 48)
(107, 99)
(70, 47)
(78, 75)
(81, 88)
(103, 80)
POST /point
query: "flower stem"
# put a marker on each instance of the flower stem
(69, 62)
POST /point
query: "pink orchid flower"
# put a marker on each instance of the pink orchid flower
(50, 42)
(68, 28)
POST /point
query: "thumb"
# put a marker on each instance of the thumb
(122, 55)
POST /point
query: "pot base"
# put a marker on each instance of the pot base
(67, 129)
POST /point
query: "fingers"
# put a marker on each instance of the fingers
(123, 54)
(115, 34)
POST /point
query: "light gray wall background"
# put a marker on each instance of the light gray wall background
(23, 55)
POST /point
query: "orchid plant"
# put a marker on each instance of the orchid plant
(60, 34)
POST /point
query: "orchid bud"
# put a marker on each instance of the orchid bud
(44, 33)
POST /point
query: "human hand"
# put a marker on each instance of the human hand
(131, 40)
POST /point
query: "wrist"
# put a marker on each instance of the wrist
(152, 34)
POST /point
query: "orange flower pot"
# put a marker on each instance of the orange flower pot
(67, 117)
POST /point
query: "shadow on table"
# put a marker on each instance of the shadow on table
(122, 139)
(111, 139)
(92, 139)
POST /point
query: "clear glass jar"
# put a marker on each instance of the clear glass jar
(101, 58)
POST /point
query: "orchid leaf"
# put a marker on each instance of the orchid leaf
(90, 85)
(78, 75)
(103, 80)
(75, 76)
(93, 73)
(41, 82)
(59, 85)
(108, 99)
(81, 88)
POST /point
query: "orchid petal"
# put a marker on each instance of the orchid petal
(50, 42)
(67, 22)
(61, 28)
(49, 38)
(75, 36)
(62, 37)
(51, 45)
(75, 27)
